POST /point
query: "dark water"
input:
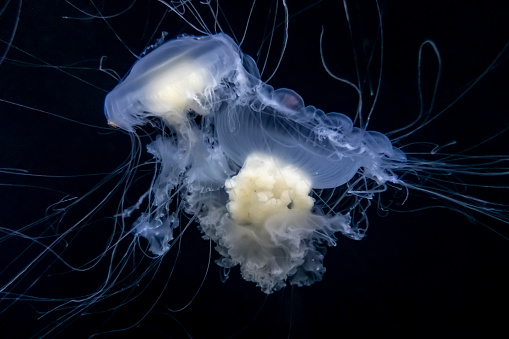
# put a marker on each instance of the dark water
(418, 274)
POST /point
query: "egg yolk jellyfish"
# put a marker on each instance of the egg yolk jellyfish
(246, 171)
(241, 161)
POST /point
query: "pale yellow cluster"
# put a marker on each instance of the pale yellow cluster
(265, 187)
(171, 93)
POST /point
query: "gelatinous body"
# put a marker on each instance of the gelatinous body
(248, 167)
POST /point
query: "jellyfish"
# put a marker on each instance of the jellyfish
(236, 163)
(247, 170)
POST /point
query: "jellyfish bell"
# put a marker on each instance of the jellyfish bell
(179, 76)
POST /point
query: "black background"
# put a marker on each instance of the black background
(417, 273)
